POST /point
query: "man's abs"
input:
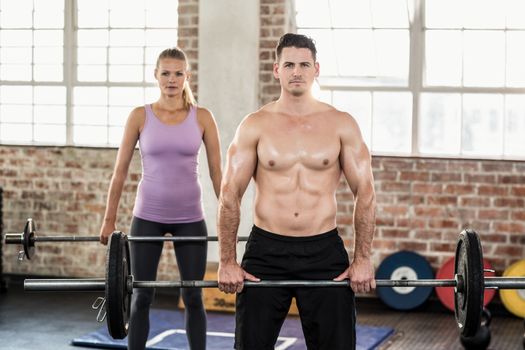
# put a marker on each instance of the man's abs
(294, 211)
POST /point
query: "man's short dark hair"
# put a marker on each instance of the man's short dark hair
(295, 40)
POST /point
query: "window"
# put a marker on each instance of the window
(425, 77)
(71, 71)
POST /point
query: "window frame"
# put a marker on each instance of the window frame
(70, 81)
(416, 86)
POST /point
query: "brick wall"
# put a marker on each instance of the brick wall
(423, 204)
(277, 18)
(188, 37)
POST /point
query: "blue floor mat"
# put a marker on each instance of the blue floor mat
(167, 333)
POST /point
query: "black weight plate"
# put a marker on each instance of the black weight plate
(29, 241)
(468, 300)
(118, 298)
(404, 265)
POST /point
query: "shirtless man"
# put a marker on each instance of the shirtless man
(296, 149)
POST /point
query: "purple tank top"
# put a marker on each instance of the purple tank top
(169, 191)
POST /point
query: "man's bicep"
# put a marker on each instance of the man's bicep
(241, 161)
(356, 159)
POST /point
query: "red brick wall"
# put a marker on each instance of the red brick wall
(188, 37)
(423, 204)
(277, 18)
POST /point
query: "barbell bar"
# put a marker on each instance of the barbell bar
(99, 284)
(28, 239)
(469, 284)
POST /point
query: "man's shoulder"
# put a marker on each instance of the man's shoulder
(258, 115)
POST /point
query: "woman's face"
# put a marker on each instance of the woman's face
(172, 76)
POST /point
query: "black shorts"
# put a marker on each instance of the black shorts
(327, 313)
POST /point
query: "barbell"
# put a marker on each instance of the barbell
(28, 239)
(469, 284)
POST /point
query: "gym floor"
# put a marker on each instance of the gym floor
(48, 321)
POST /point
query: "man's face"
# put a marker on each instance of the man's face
(296, 70)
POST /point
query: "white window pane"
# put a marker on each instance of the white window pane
(392, 122)
(484, 60)
(482, 124)
(48, 55)
(21, 5)
(325, 50)
(443, 52)
(93, 18)
(170, 6)
(15, 55)
(440, 123)
(126, 37)
(16, 132)
(129, 73)
(20, 38)
(126, 55)
(90, 96)
(90, 115)
(514, 14)
(125, 96)
(115, 135)
(50, 133)
(48, 72)
(15, 72)
(16, 113)
(16, 19)
(99, 5)
(119, 115)
(151, 54)
(55, 5)
(48, 18)
(149, 74)
(310, 14)
(515, 59)
(91, 73)
(389, 13)
(126, 4)
(93, 37)
(161, 38)
(163, 17)
(392, 54)
(359, 105)
(130, 18)
(350, 64)
(50, 114)
(92, 55)
(90, 135)
(515, 125)
(443, 14)
(49, 37)
(50, 95)
(16, 94)
(350, 14)
(152, 94)
(484, 14)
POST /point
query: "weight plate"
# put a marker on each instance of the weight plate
(514, 299)
(404, 265)
(29, 235)
(118, 295)
(468, 299)
(446, 294)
